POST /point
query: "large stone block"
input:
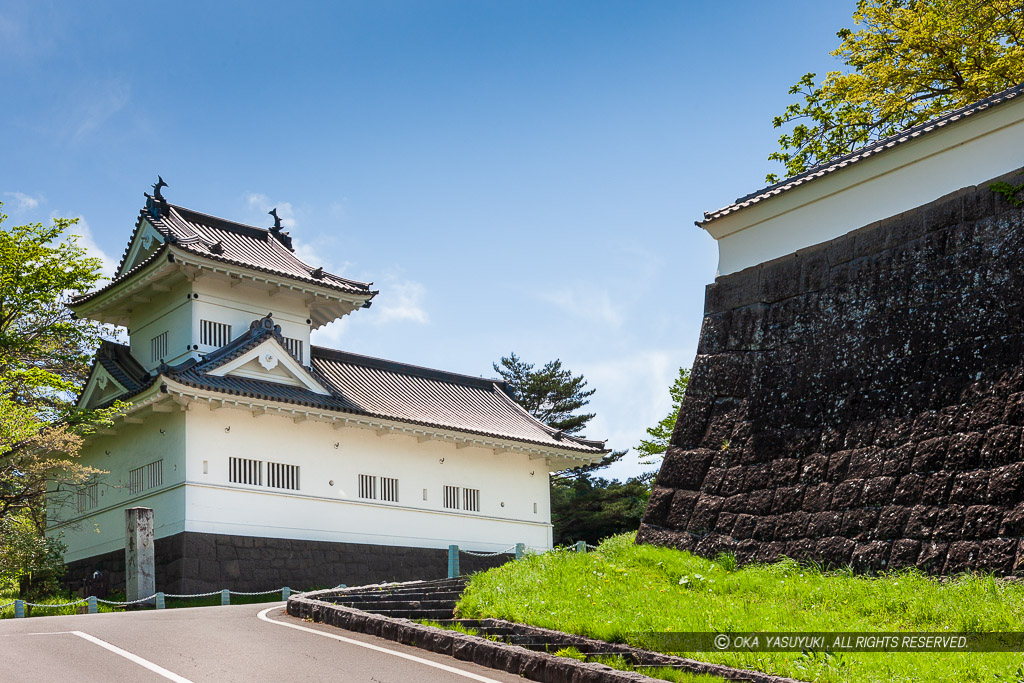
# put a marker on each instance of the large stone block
(864, 399)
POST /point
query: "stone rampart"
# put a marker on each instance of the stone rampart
(861, 401)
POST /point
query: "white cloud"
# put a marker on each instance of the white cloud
(24, 201)
(86, 240)
(331, 334)
(585, 302)
(400, 300)
(285, 211)
(632, 395)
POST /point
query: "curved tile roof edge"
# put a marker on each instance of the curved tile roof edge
(831, 165)
(404, 368)
(321, 404)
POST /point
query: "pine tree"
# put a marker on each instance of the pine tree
(650, 451)
(551, 394)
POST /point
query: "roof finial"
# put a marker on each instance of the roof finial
(156, 204)
(277, 232)
(156, 189)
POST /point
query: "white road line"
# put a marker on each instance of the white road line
(170, 675)
(444, 667)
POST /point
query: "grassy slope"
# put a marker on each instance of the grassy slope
(622, 588)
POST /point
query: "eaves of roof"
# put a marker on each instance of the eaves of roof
(123, 278)
(870, 150)
(280, 393)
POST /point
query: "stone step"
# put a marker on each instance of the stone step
(450, 586)
(432, 614)
(392, 605)
(384, 597)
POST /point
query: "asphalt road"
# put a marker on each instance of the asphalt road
(233, 643)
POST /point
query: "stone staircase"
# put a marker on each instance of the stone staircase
(433, 600)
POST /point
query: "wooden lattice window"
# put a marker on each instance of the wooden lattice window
(213, 333)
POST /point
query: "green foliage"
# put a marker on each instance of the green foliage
(652, 450)
(44, 359)
(908, 61)
(590, 509)
(551, 394)
(583, 507)
(623, 589)
(1009, 192)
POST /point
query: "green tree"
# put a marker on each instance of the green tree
(907, 61)
(583, 507)
(591, 508)
(45, 356)
(650, 451)
(551, 394)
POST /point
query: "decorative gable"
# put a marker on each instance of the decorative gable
(269, 361)
(101, 388)
(147, 239)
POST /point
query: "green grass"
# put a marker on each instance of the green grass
(622, 588)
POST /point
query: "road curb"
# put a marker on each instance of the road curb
(514, 659)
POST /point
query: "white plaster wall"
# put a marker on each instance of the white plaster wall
(239, 306)
(169, 312)
(322, 511)
(982, 146)
(102, 529)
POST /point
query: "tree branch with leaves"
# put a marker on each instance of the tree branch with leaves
(45, 356)
(907, 62)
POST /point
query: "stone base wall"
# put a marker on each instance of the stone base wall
(199, 563)
(861, 402)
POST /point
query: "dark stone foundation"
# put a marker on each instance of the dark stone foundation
(861, 402)
(199, 563)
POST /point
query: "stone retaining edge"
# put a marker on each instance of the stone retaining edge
(530, 664)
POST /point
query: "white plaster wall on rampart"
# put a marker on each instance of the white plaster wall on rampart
(983, 146)
(239, 306)
(168, 312)
(510, 484)
(102, 529)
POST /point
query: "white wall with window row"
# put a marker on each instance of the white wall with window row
(204, 486)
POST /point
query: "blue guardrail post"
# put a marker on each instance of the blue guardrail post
(19, 609)
(93, 607)
(581, 546)
(520, 550)
(160, 601)
(453, 561)
(286, 593)
(225, 597)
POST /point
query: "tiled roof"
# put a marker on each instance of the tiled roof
(383, 389)
(870, 150)
(118, 361)
(413, 394)
(219, 239)
(243, 245)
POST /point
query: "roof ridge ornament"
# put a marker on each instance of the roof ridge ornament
(156, 204)
(256, 327)
(276, 230)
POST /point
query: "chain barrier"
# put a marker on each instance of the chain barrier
(56, 604)
(257, 593)
(592, 547)
(10, 604)
(200, 595)
(510, 549)
(126, 602)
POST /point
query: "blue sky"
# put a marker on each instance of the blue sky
(514, 176)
